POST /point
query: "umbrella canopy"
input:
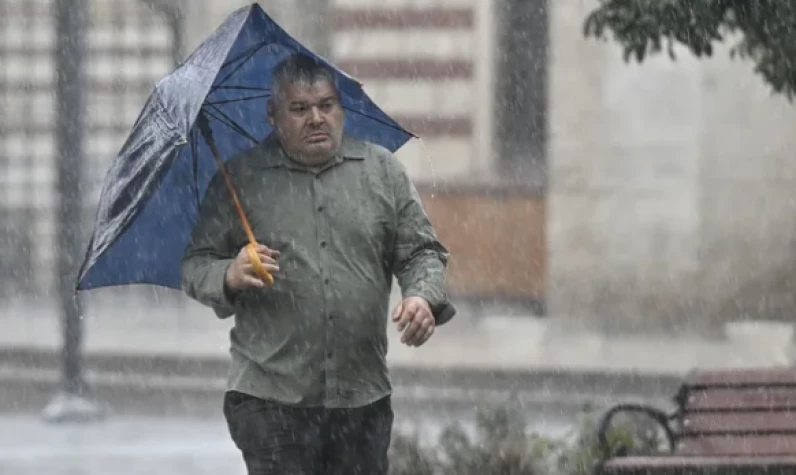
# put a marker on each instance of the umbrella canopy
(151, 196)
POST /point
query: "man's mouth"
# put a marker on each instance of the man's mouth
(317, 136)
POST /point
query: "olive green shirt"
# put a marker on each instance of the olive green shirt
(318, 336)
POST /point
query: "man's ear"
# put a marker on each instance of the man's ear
(271, 112)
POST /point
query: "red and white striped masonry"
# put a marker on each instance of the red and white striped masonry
(417, 60)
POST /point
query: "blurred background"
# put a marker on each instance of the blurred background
(612, 225)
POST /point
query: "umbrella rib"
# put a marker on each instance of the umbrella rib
(383, 122)
(245, 88)
(249, 56)
(242, 55)
(235, 128)
(195, 155)
(240, 99)
(229, 123)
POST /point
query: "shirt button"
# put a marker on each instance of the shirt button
(329, 355)
(323, 244)
(331, 317)
(326, 281)
(320, 209)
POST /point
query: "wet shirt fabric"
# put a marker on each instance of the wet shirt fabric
(318, 336)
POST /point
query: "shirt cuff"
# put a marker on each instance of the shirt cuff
(220, 297)
(439, 304)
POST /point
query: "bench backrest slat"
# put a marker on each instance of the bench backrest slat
(738, 413)
(739, 423)
(730, 400)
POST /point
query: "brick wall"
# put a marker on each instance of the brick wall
(496, 236)
(421, 62)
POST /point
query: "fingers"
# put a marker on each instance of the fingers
(266, 251)
(246, 275)
(424, 337)
(248, 268)
(415, 320)
(396, 313)
(419, 329)
(266, 256)
(263, 251)
(265, 260)
(408, 311)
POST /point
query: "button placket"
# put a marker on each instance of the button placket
(323, 264)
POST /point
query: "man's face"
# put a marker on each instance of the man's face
(308, 119)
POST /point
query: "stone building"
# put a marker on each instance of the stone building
(567, 183)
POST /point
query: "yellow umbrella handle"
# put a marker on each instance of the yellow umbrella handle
(259, 268)
(251, 248)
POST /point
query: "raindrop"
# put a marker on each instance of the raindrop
(431, 165)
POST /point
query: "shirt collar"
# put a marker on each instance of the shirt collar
(272, 155)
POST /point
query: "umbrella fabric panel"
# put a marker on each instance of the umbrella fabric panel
(130, 182)
(149, 249)
(242, 87)
(152, 193)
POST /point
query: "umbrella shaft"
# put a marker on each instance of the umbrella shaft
(208, 136)
(254, 257)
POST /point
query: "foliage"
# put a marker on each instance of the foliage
(630, 434)
(503, 446)
(408, 457)
(765, 27)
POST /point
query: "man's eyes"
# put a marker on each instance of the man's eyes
(303, 108)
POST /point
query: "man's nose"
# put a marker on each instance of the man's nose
(315, 115)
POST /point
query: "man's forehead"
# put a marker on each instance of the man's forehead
(308, 90)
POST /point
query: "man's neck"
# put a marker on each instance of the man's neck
(311, 161)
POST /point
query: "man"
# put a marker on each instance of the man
(309, 391)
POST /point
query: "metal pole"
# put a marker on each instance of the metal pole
(521, 91)
(72, 402)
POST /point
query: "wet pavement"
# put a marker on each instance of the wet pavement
(159, 445)
(118, 445)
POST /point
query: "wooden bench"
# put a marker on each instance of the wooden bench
(725, 422)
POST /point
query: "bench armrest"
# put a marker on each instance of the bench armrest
(655, 414)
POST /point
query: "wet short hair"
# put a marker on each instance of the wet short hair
(299, 68)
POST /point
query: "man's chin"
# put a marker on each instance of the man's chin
(323, 147)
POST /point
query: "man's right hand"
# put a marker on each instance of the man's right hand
(241, 274)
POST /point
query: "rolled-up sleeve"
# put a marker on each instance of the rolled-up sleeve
(419, 258)
(209, 254)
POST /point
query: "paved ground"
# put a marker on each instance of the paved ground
(119, 446)
(125, 446)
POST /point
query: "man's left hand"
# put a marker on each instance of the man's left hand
(415, 320)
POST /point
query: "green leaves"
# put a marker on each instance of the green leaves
(767, 31)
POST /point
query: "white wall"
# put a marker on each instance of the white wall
(671, 184)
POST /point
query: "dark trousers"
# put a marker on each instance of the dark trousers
(278, 439)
